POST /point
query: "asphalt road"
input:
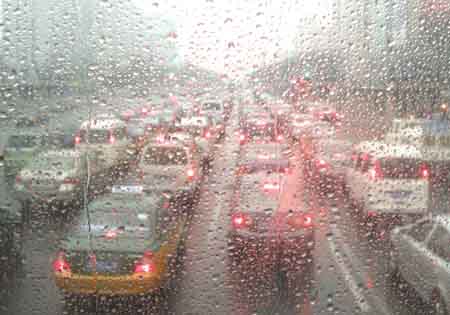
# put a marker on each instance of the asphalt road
(349, 270)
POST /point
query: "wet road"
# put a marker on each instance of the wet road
(349, 270)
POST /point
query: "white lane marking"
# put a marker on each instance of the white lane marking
(348, 253)
(350, 281)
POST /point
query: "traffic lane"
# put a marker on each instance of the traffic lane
(368, 259)
(204, 287)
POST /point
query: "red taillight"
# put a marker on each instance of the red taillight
(207, 134)
(77, 139)
(280, 138)
(60, 264)
(242, 138)
(424, 172)
(241, 221)
(145, 264)
(300, 221)
(376, 172)
(144, 111)
(71, 181)
(110, 234)
(321, 164)
(190, 174)
(112, 139)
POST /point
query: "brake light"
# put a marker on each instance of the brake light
(112, 140)
(207, 134)
(77, 139)
(279, 138)
(144, 111)
(287, 170)
(145, 264)
(321, 164)
(241, 221)
(71, 181)
(242, 138)
(424, 172)
(376, 172)
(60, 264)
(300, 221)
(111, 234)
(190, 174)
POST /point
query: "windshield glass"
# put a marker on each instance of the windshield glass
(335, 112)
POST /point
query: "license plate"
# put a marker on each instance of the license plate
(400, 194)
(106, 266)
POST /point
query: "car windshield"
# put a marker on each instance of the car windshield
(165, 156)
(333, 113)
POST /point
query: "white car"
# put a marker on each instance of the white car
(388, 181)
(108, 140)
(420, 255)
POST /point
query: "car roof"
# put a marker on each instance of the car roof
(103, 123)
(252, 197)
(381, 149)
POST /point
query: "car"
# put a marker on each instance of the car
(20, 147)
(214, 108)
(420, 256)
(263, 230)
(328, 168)
(127, 245)
(108, 140)
(172, 167)
(259, 129)
(265, 155)
(53, 176)
(327, 114)
(298, 124)
(388, 183)
(202, 133)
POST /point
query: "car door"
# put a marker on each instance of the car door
(434, 264)
(411, 252)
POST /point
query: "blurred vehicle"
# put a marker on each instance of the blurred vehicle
(127, 245)
(332, 157)
(203, 132)
(308, 138)
(171, 167)
(260, 156)
(214, 108)
(11, 228)
(52, 176)
(267, 233)
(327, 114)
(420, 255)
(388, 182)
(108, 140)
(259, 129)
(298, 124)
(20, 147)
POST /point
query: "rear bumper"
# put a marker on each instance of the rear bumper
(280, 248)
(108, 285)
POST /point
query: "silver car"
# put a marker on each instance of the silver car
(420, 255)
(52, 176)
(171, 167)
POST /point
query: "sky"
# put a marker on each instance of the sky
(233, 36)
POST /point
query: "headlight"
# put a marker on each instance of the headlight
(66, 187)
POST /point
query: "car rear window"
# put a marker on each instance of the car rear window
(95, 136)
(211, 106)
(165, 156)
(402, 168)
